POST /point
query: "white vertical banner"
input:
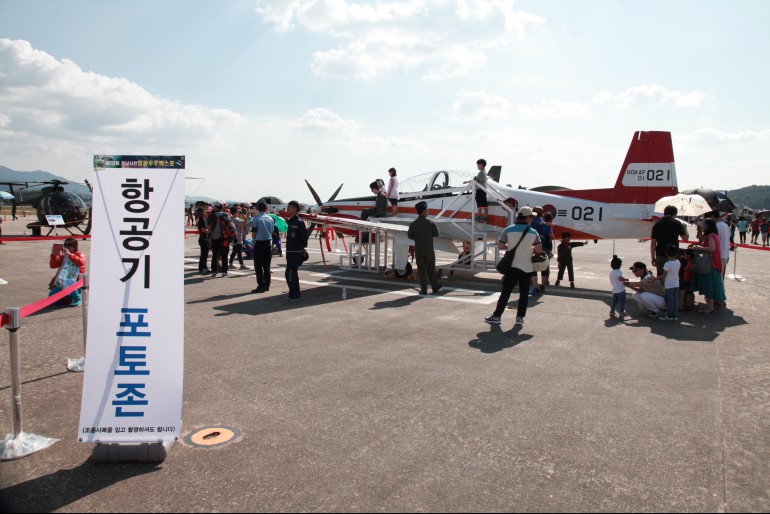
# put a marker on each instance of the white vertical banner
(132, 388)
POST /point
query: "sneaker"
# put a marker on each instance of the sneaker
(423, 292)
(493, 320)
(213, 275)
(532, 291)
(519, 321)
(612, 314)
(436, 290)
(259, 290)
(294, 299)
(622, 314)
(675, 318)
(74, 303)
(541, 289)
(652, 314)
(664, 317)
(244, 267)
(572, 285)
(225, 275)
(557, 283)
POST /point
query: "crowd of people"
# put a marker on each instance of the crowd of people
(228, 232)
(677, 274)
(662, 290)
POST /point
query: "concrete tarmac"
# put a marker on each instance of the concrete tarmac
(388, 401)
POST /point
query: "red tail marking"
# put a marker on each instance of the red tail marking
(646, 147)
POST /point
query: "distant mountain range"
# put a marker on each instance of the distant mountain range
(9, 175)
(80, 189)
(754, 197)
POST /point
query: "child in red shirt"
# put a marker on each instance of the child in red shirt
(70, 263)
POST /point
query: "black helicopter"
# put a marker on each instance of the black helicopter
(49, 199)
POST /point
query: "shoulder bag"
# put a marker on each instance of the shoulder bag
(506, 262)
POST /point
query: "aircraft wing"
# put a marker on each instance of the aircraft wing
(354, 224)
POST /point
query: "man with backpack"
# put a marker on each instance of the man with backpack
(222, 232)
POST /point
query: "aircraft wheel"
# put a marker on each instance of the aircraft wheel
(405, 272)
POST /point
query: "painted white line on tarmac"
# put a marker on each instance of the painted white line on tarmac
(484, 301)
(3, 282)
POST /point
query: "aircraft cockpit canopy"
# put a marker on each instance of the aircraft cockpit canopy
(435, 181)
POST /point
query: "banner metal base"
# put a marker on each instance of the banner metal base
(23, 445)
(126, 452)
(76, 365)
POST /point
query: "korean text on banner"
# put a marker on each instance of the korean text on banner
(132, 390)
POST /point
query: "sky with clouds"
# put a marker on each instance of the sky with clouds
(260, 95)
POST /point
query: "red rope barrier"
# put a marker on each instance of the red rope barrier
(17, 239)
(32, 308)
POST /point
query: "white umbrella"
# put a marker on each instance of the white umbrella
(6, 196)
(686, 205)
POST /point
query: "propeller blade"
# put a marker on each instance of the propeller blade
(334, 196)
(315, 195)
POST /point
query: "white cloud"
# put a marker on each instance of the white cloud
(659, 95)
(478, 106)
(445, 38)
(55, 100)
(553, 109)
(5, 120)
(710, 135)
(603, 97)
(321, 121)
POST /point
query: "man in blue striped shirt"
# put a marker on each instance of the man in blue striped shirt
(262, 226)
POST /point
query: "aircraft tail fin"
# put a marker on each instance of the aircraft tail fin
(648, 173)
(495, 172)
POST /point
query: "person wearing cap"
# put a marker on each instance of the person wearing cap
(296, 242)
(665, 232)
(380, 208)
(523, 240)
(423, 230)
(649, 292)
(262, 226)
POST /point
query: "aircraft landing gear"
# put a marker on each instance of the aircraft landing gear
(405, 272)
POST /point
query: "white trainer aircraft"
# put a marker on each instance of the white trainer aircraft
(624, 211)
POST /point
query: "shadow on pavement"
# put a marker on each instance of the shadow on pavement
(52, 492)
(496, 340)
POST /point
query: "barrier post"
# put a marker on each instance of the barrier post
(79, 365)
(734, 275)
(13, 316)
(17, 444)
